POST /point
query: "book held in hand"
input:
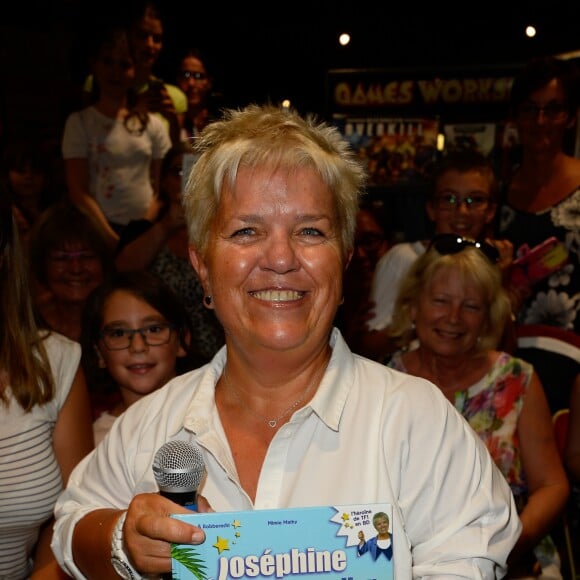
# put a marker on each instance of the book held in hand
(347, 542)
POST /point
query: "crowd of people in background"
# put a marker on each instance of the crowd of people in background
(102, 305)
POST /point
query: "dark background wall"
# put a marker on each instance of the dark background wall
(261, 51)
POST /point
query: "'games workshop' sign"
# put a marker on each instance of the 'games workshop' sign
(449, 92)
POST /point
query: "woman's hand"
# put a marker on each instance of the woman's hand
(147, 536)
(149, 531)
(506, 253)
(157, 99)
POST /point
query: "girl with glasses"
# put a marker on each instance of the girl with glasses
(136, 338)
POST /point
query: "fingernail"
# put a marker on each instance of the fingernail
(197, 537)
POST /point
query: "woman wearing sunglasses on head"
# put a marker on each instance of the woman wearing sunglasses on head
(449, 317)
(462, 200)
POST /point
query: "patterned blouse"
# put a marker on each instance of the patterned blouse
(492, 407)
(555, 300)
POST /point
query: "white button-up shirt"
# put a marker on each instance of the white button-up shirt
(369, 435)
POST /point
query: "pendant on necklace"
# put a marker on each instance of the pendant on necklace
(272, 423)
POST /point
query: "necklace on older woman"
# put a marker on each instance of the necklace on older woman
(273, 423)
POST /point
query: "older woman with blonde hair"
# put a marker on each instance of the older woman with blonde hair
(449, 318)
(469, 266)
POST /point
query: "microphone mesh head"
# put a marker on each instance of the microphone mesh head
(178, 466)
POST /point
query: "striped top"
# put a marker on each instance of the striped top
(30, 479)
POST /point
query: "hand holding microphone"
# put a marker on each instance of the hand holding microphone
(178, 469)
(148, 532)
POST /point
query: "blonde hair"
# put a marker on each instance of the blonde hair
(259, 136)
(23, 357)
(474, 267)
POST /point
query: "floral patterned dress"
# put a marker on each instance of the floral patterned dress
(556, 300)
(492, 407)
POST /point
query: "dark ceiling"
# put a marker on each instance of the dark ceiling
(265, 50)
(268, 51)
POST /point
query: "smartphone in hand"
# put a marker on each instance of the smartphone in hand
(538, 263)
(155, 84)
(155, 94)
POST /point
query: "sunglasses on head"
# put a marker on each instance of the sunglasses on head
(453, 244)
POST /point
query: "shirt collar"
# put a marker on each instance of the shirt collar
(328, 403)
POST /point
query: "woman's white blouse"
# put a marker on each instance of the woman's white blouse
(370, 434)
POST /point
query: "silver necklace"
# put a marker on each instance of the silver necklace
(273, 423)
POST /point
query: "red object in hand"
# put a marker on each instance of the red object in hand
(539, 262)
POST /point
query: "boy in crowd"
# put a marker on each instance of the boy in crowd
(463, 201)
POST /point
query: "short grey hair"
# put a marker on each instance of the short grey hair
(269, 136)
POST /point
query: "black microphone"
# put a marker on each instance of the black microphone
(178, 468)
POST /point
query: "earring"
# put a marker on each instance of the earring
(207, 300)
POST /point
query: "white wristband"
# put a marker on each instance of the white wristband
(119, 559)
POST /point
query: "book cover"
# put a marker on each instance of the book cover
(346, 542)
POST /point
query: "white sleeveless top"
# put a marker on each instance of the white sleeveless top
(30, 478)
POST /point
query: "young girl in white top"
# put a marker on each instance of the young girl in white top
(113, 149)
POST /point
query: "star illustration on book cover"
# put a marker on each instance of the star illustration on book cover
(191, 559)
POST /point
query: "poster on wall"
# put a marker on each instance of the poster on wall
(396, 151)
(480, 137)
